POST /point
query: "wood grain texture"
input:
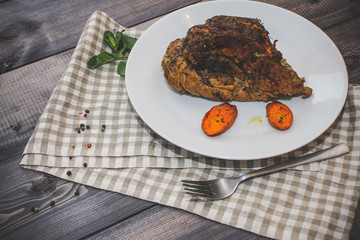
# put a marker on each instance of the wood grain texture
(347, 38)
(24, 92)
(32, 30)
(86, 208)
(322, 13)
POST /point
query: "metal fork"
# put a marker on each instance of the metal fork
(221, 188)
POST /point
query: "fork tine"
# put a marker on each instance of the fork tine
(198, 195)
(197, 186)
(196, 182)
(204, 191)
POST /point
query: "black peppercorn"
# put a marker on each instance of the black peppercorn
(82, 125)
(68, 173)
(77, 193)
(87, 126)
(85, 164)
(87, 111)
(52, 203)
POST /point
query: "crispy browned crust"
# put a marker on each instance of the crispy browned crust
(230, 58)
(184, 79)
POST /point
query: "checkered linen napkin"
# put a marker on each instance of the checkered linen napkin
(314, 201)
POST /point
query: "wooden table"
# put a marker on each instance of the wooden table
(37, 39)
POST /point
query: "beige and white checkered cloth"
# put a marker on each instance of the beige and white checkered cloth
(314, 201)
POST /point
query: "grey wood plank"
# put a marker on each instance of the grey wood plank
(23, 96)
(347, 38)
(355, 231)
(324, 14)
(32, 30)
(77, 211)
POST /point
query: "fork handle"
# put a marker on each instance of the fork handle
(331, 152)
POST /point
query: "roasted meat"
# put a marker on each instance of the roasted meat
(230, 58)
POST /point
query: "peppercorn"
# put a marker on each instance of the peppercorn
(87, 111)
(70, 158)
(82, 128)
(82, 125)
(73, 145)
(78, 131)
(34, 209)
(87, 126)
(103, 129)
(89, 145)
(77, 193)
(68, 173)
(103, 126)
(52, 203)
(85, 164)
(85, 115)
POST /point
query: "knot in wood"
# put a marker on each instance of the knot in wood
(43, 185)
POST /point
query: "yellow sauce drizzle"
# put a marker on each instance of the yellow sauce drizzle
(258, 121)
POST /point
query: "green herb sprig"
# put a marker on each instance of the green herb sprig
(120, 44)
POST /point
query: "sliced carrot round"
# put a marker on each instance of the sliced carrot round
(279, 115)
(219, 119)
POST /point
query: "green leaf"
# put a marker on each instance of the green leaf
(92, 63)
(121, 68)
(102, 58)
(118, 38)
(128, 43)
(109, 38)
(105, 57)
(118, 41)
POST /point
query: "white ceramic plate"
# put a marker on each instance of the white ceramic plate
(177, 118)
